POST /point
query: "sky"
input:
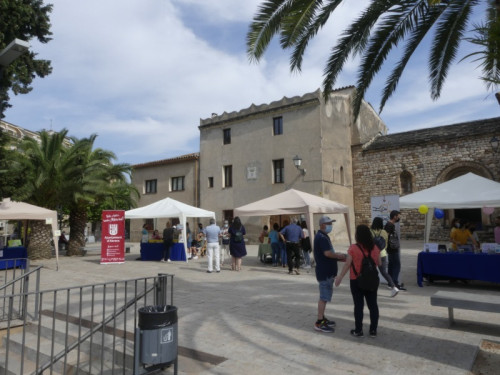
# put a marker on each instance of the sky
(141, 75)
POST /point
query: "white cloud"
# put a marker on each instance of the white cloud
(141, 75)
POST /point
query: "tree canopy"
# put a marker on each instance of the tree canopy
(384, 25)
(26, 20)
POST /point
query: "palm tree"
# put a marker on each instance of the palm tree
(46, 170)
(94, 183)
(383, 26)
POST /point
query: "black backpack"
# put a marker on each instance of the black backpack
(367, 278)
(379, 241)
(238, 236)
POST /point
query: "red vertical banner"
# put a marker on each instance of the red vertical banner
(113, 237)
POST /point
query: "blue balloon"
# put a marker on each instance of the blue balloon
(438, 213)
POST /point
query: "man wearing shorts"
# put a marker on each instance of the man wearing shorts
(326, 269)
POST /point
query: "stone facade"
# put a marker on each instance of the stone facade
(166, 173)
(424, 157)
(320, 131)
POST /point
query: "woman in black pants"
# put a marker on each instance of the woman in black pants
(364, 247)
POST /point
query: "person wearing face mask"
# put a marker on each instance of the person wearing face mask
(326, 270)
(394, 247)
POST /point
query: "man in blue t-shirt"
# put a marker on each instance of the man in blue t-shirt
(292, 234)
(326, 269)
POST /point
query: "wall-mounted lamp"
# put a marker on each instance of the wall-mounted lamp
(494, 142)
(297, 161)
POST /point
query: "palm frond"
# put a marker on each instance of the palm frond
(303, 40)
(266, 24)
(449, 32)
(416, 36)
(354, 40)
(392, 28)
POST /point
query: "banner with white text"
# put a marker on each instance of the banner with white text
(113, 237)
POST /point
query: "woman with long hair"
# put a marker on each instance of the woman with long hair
(364, 247)
(237, 247)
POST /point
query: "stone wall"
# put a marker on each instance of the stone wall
(377, 172)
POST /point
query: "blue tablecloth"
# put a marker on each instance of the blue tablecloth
(13, 257)
(469, 266)
(154, 251)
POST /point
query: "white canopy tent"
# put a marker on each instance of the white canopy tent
(292, 202)
(11, 210)
(167, 208)
(467, 191)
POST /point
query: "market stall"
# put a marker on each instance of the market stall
(467, 191)
(292, 202)
(11, 210)
(169, 208)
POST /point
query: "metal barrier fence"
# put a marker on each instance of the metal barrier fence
(15, 277)
(79, 330)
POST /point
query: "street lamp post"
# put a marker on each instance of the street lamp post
(15, 49)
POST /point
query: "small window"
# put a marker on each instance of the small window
(228, 176)
(406, 182)
(227, 136)
(177, 183)
(210, 182)
(278, 125)
(279, 171)
(150, 187)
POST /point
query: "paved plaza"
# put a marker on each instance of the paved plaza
(260, 320)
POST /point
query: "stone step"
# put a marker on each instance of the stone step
(99, 352)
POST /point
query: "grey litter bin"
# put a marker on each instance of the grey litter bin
(158, 328)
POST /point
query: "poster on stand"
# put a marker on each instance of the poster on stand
(382, 206)
(113, 237)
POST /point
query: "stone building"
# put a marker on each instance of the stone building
(176, 178)
(248, 155)
(408, 162)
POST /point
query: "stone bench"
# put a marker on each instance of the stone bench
(465, 301)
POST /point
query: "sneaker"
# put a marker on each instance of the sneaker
(401, 287)
(307, 267)
(297, 271)
(218, 271)
(163, 260)
(209, 271)
(357, 334)
(388, 287)
(329, 323)
(168, 260)
(394, 292)
(290, 273)
(373, 333)
(323, 327)
(195, 257)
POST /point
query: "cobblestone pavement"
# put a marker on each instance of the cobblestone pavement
(260, 320)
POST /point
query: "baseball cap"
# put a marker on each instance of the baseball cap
(394, 213)
(325, 220)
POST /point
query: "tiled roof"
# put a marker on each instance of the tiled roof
(177, 159)
(312, 97)
(440, 133)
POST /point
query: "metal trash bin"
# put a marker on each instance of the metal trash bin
(158, 334)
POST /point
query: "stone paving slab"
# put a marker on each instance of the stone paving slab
(261, 319)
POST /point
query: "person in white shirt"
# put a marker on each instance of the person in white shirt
(212, 233)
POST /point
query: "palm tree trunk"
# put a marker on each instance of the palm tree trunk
(77, 223)
(40, 243)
